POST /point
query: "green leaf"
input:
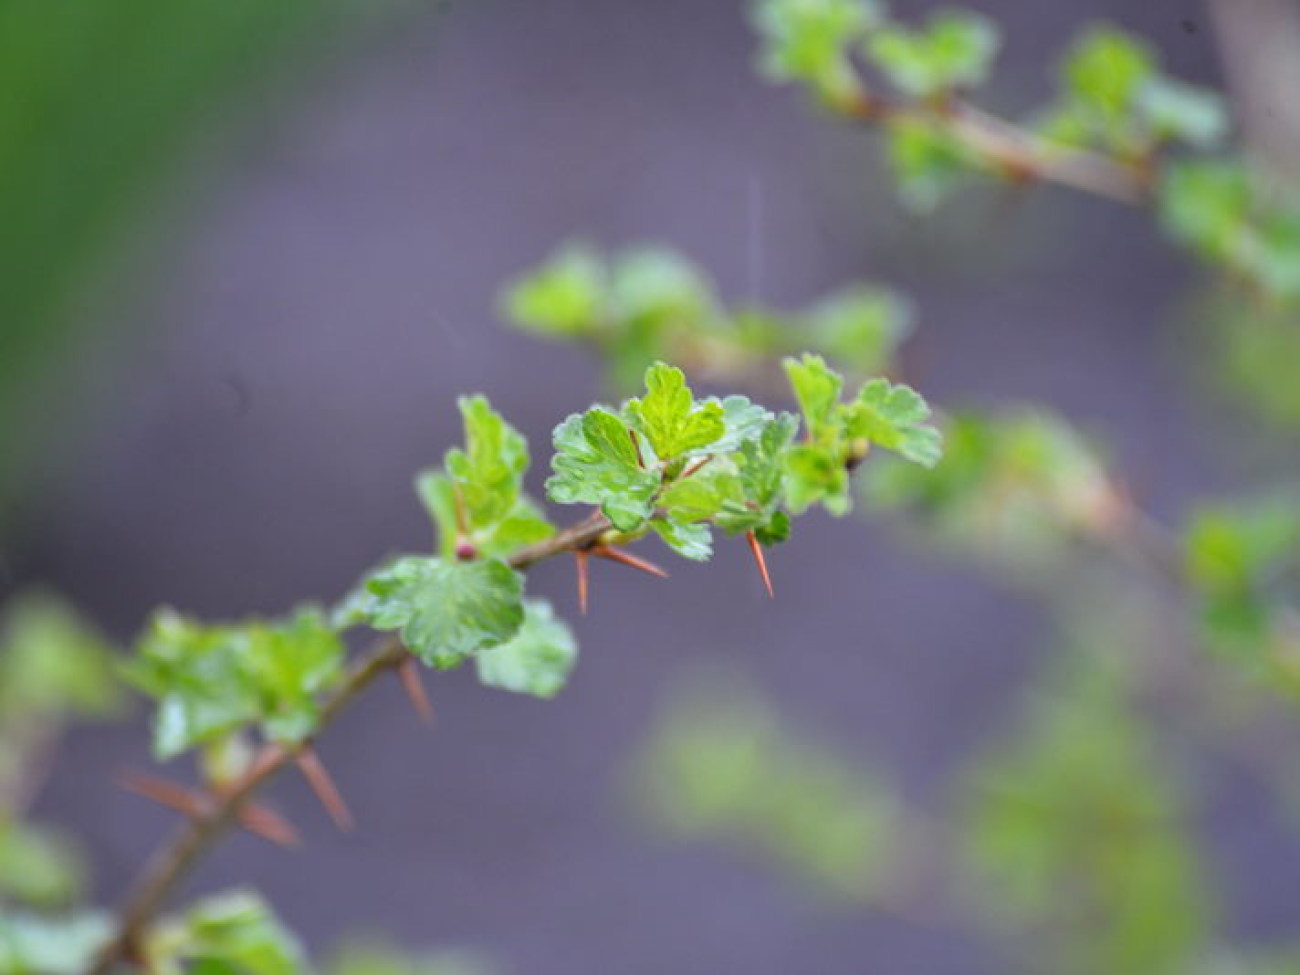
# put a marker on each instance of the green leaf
(290, 665)
(955, 50)
(690, 541)
(927, 163)
(669, 417)
(488, 471)
(1018, 486)
(537, 660)
(1207, 204)
(212, 679)
(479, 499)
(760, 474)
(43, 945)
(742, 422)
(53, 662)
(1105, 69)
(200, 678)
(561, 299)
(234, 932)
(701, 497)
(814, 475)
(653, 288)
(39, 867)
(1076, 824)
(776, 530)
(723, 766)
(1233, 556)
(810, 41)
(817, 389)
(447, 611)
(596, 462)
(894, 418)
(861, 328)
(1182, 112)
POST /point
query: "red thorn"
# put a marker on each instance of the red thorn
(408, 671)
(168, 794)
(327, 792)
(694, 467)
(636, 443)
(627, 558)
(757, 551)
(580, 557)
(268, 824)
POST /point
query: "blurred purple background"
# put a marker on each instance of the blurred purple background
(327, 294)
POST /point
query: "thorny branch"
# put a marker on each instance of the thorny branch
(174, 860)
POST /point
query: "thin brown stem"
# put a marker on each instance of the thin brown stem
(1012, 151)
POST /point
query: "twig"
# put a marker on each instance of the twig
(1011, 150)
(174, 860)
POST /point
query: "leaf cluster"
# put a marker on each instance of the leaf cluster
(676, 465)
(646, 304)
(1020, 485)
(1242, 563)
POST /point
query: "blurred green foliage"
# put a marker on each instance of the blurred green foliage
(54, 669)
(722, 764)
(1077, 830)
(647, 303)
(1242, 562)
(102, 105)
(1019, 486)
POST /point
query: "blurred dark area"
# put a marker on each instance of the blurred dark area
(233, 418)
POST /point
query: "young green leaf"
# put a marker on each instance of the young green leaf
(817, 389)
(953, 51)
(53, 662)
(894, 417)
(860, 327)
(1182, 112)
(290, 664)
(39, 867)
(1105, 69)
(447, 611)
(33, 944)
(478, 501)
(537, 660)
(814, 474)
(926, 162)
(562, 299)
(690, 541)
(200, 678)
(597, 462)
(674, 424)
(234, 932)
(810, 41)
(760, 473)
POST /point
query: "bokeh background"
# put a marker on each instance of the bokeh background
(274, 268)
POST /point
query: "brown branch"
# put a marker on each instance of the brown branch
(174, 860)
(1011, 150)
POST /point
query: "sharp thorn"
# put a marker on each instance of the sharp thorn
(327, 792)
(695, 466)
(627, 558)
(168, 794)
(580, 556)
(636, 444)
(408, 672)
(268, 824)
(756, 550)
